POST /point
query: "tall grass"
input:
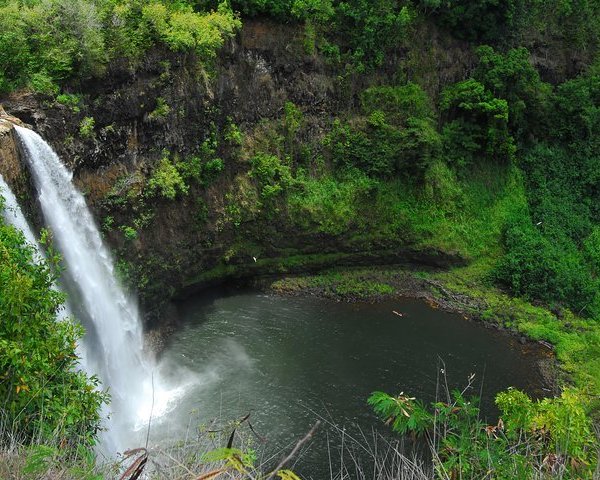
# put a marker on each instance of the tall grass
(37, 458)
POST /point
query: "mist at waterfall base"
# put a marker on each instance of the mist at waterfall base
(113, 343)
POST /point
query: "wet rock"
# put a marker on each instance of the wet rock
(10, 164)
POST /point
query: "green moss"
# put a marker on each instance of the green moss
(338, 283)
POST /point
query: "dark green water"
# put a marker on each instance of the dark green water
(289, 360)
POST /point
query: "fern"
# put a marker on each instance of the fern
(384, 405)
(404, 413)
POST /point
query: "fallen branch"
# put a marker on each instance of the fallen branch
(137, 467)
(291, 455)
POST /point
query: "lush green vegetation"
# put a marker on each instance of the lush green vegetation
(532, 438)
(550, 255)
(44, 394)
(46, 44)
(489, 173)
(359, 33)
(503, 170)
(499, 166)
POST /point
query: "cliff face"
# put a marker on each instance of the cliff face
(131, 128)
(10, 162)
(9, 157)
(116, 131)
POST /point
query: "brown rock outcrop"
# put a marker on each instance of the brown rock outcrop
(10, 165)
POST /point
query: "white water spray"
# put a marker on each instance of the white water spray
(113, 343)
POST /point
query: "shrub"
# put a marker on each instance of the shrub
(273, 176)
(233, 134)
(314, 10)
(560, 423)
(166, 180)
(183, 29)
(476, 125)
(558, 197)
(398, 103)
(512, 77)
(86, 127)
(42, 82)
(69, 100)
(352, 146)
(536, 267)
(44, 44)
(161, 110)
(292, 122)
(369, 28)
(400, 138)
(44, 392)
(212, 168)
(202, 168)
(15, 50)
(108, 223)
(483, 20)
(399, 134)
(130, 233)
(531, 437)
(58, 38)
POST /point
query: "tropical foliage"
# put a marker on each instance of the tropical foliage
(532, 438)
(44, 392)
(498, 164)
(44, 44)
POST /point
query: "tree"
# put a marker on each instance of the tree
(476, 124)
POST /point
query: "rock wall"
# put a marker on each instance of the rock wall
(10, 165)
(255, 75)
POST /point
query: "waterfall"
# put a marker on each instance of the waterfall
(113, 342)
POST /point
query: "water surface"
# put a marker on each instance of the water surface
(288, 360)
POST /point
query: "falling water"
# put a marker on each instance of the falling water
(113, 343)
(13, 215)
